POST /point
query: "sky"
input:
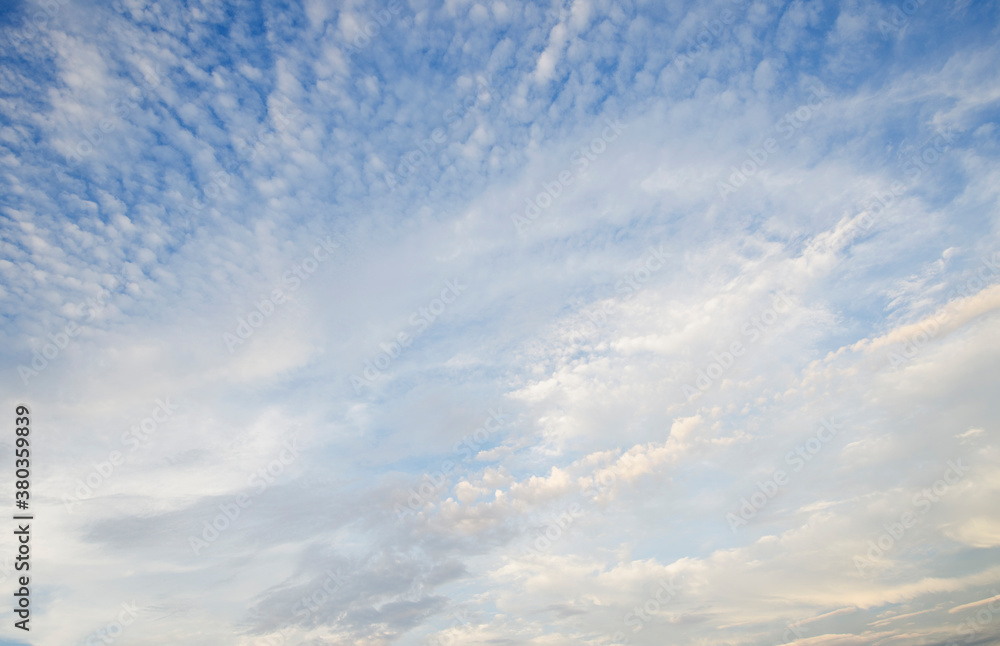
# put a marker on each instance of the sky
(591, 322)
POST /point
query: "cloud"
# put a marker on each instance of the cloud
(659, 351)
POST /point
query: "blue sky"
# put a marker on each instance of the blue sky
(504, 323)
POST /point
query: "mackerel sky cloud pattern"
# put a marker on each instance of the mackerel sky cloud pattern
(478, 322)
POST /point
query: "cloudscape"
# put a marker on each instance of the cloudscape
(500, 322)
